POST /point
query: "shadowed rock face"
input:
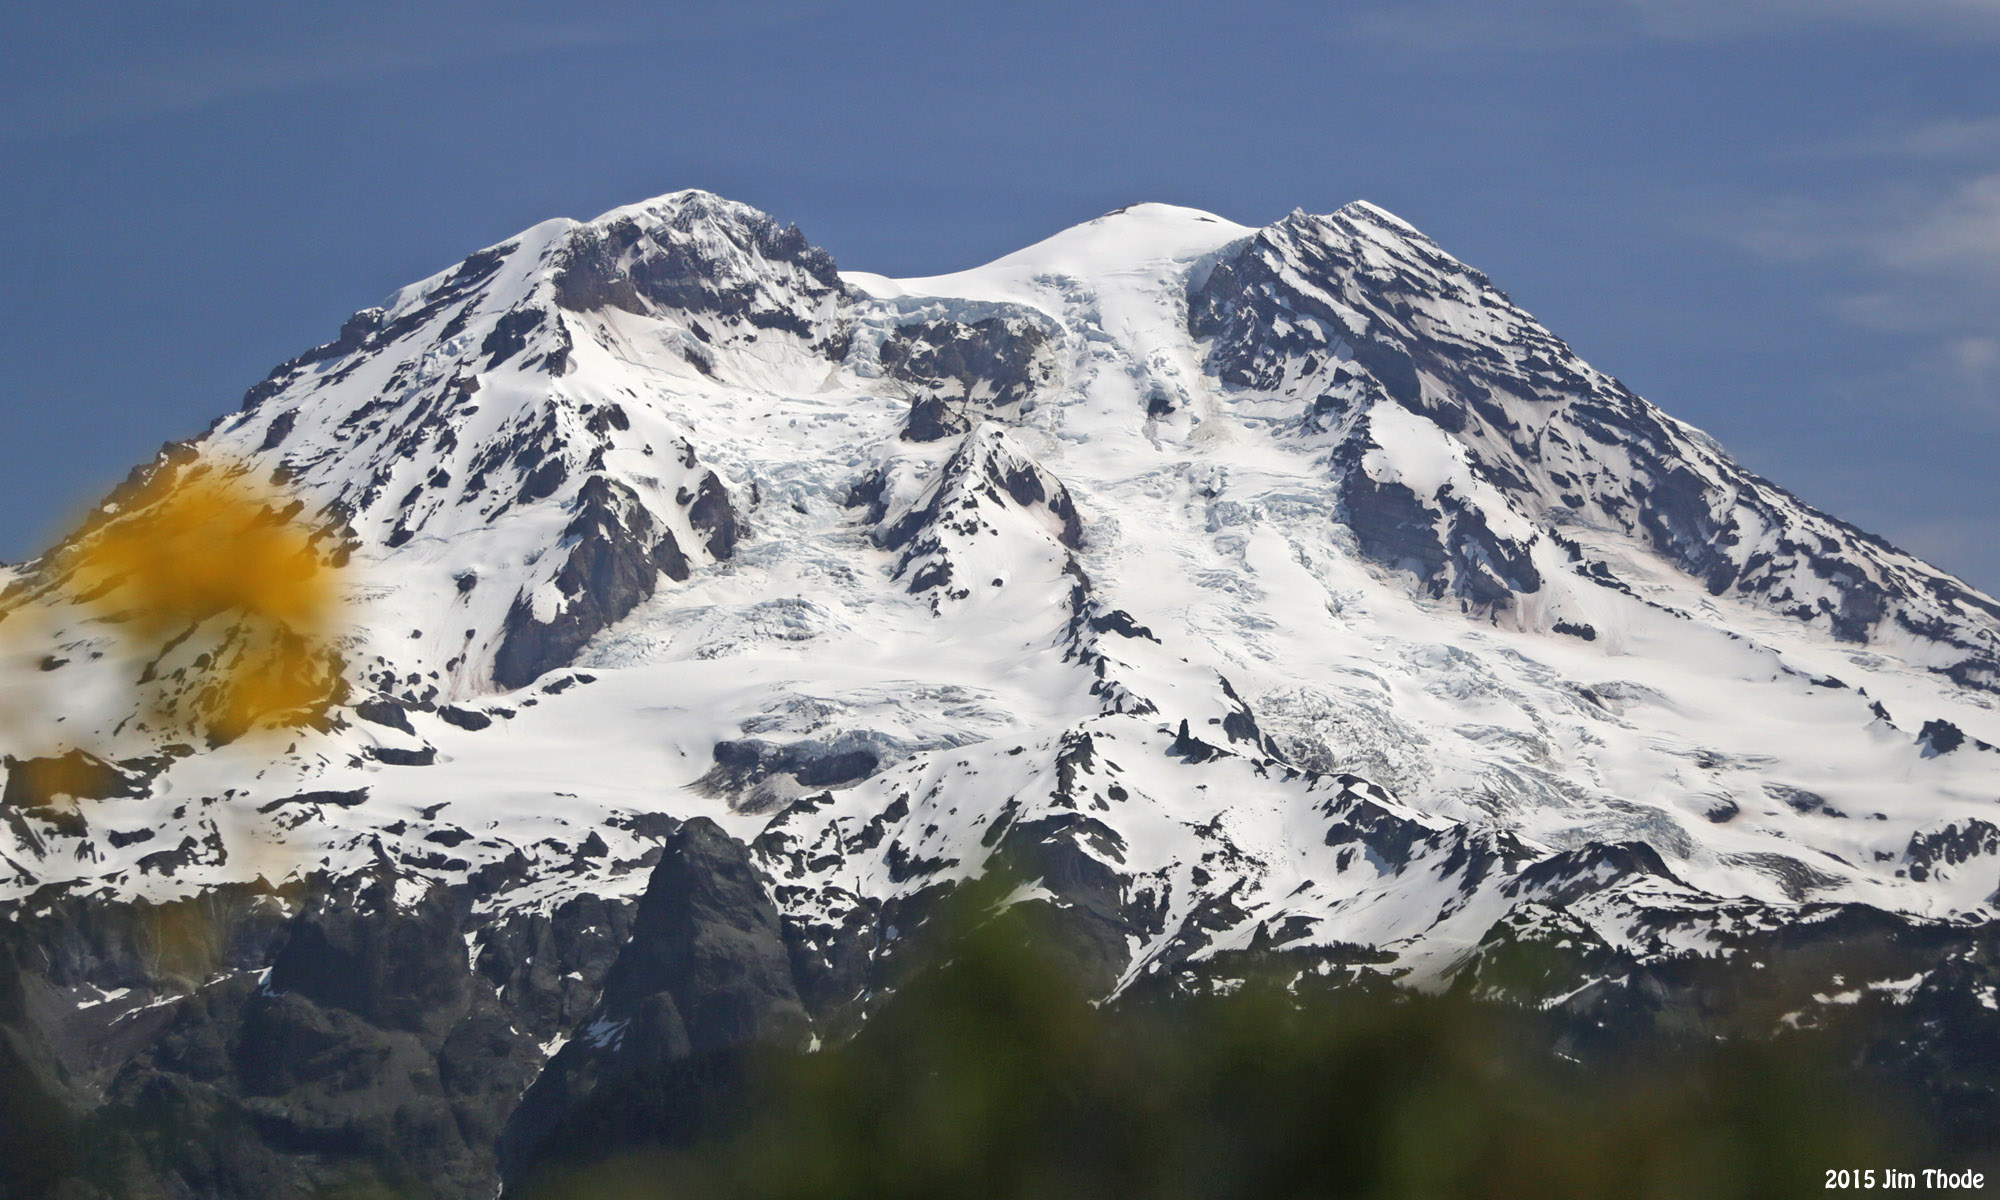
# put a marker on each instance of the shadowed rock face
(707, 934)
(40, 782)
(50, 788)
(346, 1038)
(706, 970)
(382, 968)
(742, 765)
(1394, 527)
(962, 371)
(367, 1056)
(1441, 539)
(616, 553)
(708, 256)
(1957, 843)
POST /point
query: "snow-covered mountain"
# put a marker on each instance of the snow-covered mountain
(1247, 591)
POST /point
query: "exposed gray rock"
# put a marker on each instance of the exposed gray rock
(958, 370)
(616, 553)
(667, 259)
(1937, 851)
(706, 969)
(275, 1044)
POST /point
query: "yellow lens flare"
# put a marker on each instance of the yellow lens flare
(201, 544)
(209, 562)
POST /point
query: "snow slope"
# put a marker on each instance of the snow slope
(1241, 585)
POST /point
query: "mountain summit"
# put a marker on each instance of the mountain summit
(1285, 591)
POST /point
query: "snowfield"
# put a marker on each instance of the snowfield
(1292, 584)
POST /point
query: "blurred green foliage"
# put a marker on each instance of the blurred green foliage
(992, 1076)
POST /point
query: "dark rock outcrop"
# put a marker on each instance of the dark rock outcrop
(328, 1038)
(706, 969)
(615, 554)
(734, 272)
(958, 371)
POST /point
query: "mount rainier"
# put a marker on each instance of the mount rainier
(1278, 596)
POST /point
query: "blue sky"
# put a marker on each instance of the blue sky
(1777, 219)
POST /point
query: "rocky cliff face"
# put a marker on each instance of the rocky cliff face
(1281, 602)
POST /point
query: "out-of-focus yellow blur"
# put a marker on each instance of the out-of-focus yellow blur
(213, 546)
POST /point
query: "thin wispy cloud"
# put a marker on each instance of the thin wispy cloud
(1708, 19)
(124, 88)
(1543, 25)
(1916, 229)
(270, 51)
(1950, 230)
(1958, 235)
(1947, 229)
(1937, 140)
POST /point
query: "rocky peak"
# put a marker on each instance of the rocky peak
(724, 272)
(1465, 433)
